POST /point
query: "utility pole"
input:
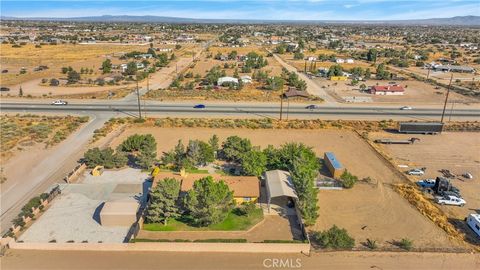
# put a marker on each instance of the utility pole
(446, 98)
(138, 99)
(428, 73)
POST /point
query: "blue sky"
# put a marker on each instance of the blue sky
(265, 9)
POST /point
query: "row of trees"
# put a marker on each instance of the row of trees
(141, 148)
(196, 153)
(296, 158)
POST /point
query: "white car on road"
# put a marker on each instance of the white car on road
(406, 108)
(59, 102)
(416, 172)
(450, 200)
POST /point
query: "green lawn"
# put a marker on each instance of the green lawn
(232, 222)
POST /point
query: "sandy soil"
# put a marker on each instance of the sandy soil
(458, 152)
(18, 259)
(54, 56)
(416, 92)
(375, 206)
(88, 58)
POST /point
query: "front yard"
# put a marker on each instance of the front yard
(233, 222)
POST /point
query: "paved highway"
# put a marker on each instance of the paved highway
(238, 110)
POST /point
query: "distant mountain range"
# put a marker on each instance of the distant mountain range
(457, 21)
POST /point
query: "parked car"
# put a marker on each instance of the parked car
(416, 172)
(426, 183)
(59, 102)
(4, 89)
(199, 106)
(450, 200)
(312, 107)
(467, 175)
(406, 108)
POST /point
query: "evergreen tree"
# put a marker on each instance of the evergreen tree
(163, 201)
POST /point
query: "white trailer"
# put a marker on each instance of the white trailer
(473, 221)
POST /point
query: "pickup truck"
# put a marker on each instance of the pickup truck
(450, 200)
(426, 183)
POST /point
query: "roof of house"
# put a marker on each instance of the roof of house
(292, 92)
(226, 80)
(333, 160)
(242, 186)
(388, 88)
(279, 183)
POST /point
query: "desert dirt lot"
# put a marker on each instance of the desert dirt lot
(343, 260)
(416, 92)
(55, 57)
(78, 57)
(375, 207)
(458, 152)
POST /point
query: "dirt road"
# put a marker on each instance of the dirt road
(312, 87)
(165, 260)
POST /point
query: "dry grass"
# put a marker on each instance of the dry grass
(21, 131)
(428, 209)
(55, 57)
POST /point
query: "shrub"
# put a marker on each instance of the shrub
(335, 238)
(405, 243)
(371, 244)
(348, 179)
(246, 209)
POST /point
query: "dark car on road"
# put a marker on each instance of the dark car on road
(312, 107)
(199, 106)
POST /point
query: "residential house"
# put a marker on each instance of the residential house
(227, 80)
(387, 90)
(245, 188)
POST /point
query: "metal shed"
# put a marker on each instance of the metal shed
(333, 165)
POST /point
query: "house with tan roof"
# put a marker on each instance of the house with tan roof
(245, 188)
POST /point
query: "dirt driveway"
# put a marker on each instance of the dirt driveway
(385, 214)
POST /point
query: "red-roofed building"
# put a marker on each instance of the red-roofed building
(387, 90)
